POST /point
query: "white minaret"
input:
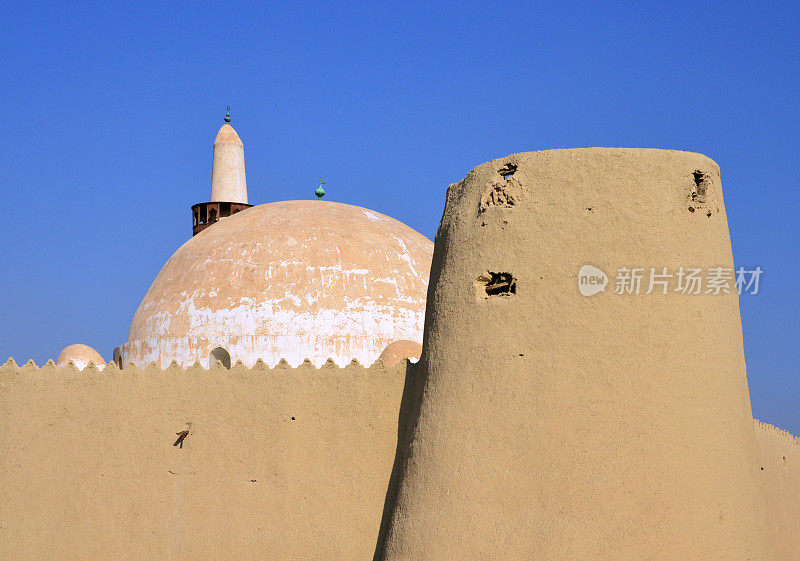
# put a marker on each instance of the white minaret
(228, 182)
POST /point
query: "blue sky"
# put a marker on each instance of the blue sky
(111, 110)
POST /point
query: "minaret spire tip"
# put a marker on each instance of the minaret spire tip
(228, 115)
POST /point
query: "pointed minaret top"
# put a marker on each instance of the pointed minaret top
(228, 115)
(227, 133)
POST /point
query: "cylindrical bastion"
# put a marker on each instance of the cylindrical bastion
(549, 424)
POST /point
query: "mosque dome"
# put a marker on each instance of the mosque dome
(81, 356)
(293, 280)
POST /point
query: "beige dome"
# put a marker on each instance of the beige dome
(401, 350)
(293, 280)
(80, 355)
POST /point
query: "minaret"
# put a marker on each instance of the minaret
(228, 181)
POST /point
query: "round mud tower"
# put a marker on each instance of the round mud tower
(547, 424)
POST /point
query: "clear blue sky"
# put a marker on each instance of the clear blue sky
(111, 110)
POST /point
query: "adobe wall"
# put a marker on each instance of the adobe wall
(779, 467)
(539, 423)
(610, 427)
(84, 456)
(281, 463)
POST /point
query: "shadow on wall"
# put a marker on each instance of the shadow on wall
(406, 421)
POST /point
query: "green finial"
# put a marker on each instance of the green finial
(228, 115)
(320, 192)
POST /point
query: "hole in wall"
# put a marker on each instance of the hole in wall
(701, 182)
(502, 193)
(219, 355)
(701, 195)
(496, 284)
(507, 170)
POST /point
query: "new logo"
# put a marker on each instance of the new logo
(591, 280)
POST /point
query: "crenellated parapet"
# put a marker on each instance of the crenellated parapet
(50, 367)
(779, 470)
(776, 433)
(248, 463)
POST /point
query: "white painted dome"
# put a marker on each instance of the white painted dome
(81, 356)
(293, 280)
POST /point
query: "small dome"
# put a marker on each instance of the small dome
(400, 350)
(293, 280)
(80, 355)
(227, 134)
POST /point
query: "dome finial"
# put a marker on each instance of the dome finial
(320, 192)
(228, 115)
